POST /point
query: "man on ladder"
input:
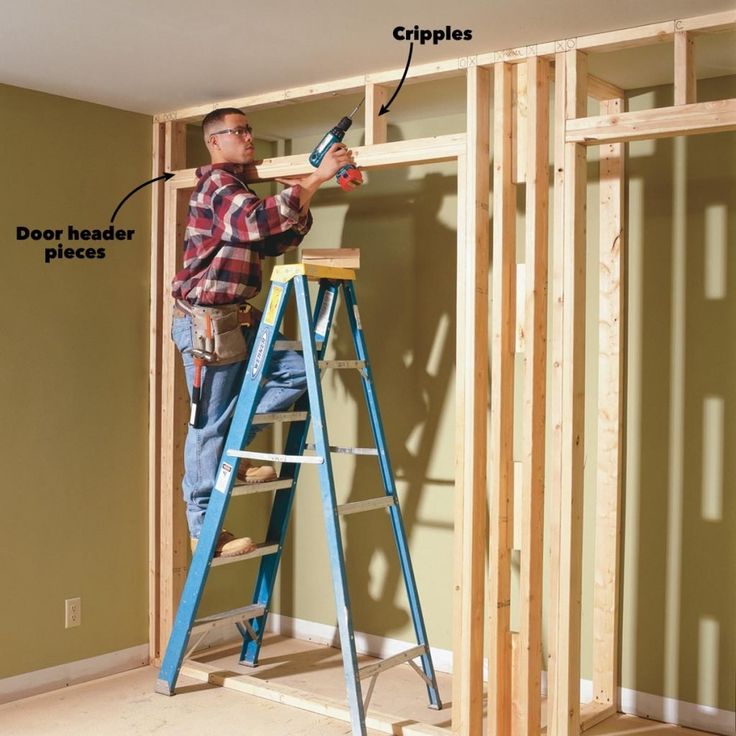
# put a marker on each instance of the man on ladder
(229, 230)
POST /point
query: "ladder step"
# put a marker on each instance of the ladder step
(273, 458)
(262, 550)
(357, 364)
(347, 450)
(293, 345)
(234, 616)
(368, 505)
(241, 488)
(282, 416)
(373, 669)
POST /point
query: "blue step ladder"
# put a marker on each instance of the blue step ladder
(251, 620)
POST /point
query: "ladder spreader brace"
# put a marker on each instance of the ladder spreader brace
(251, 619)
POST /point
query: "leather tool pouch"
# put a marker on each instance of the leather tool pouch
(217, 335)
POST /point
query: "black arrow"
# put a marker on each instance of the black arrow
(166, 175)
(384, 108)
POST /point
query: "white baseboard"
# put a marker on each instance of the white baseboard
(680, 712)
(72, 673)
(376, 646)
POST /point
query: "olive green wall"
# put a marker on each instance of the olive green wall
(73, 437)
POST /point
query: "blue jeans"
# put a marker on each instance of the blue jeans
(283, 383)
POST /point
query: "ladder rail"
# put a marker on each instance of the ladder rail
(397, 522)
(343, 608)
(283, 501)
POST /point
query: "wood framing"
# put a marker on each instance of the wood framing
(554, 418)
(375, 124)
(277, 693)
(664, 122)
(400, 153)
(564, 682)
(520, 137)
(472, 400)
(154, 391)
(528, 696)
(685, 81)
(173, 536)
(503, 343)
(610, 419)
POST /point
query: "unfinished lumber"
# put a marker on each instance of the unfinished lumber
(400, 153)
(663, 122)
(564, 685)
(685, 81)
(611, 390)
(155, 339)
(502, 408)
(711, 23)
(376, 125)
(174, 410)
(520, 123)
(600, 89)
(528, 695)
(554, 417)
(337, 257)
(472, 402)
(520, 330)
(593, 713)
(625, 38)
(285, 695)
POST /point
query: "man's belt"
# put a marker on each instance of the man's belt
(247, 315)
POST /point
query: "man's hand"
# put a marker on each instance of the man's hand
(337, 157)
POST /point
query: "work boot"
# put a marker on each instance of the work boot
(228, 546)
(249, 473)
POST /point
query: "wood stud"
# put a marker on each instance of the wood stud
(534, 420)
(503, 342)
(472, 400)
(174, 539)
(685, 81)
(154, 393)
(610, 419)
(376, 127)
(565, 683)
(520, 151)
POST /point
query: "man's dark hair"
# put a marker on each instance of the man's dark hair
(218, 116)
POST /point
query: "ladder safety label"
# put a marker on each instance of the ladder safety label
(273, 304)
(324, 313)
(56, 250)
(260, 352)
(357, 316)
(424, 35)
(223, 477)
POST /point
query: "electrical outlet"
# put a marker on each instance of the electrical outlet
(72, 612)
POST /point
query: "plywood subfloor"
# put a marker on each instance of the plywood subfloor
(126, 705)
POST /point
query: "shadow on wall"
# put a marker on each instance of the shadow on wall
(679, 593)
(406, 294)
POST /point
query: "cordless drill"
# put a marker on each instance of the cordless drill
(348, 177)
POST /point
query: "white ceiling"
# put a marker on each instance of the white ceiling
(158, 55)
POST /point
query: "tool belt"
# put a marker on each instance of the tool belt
(217, 335)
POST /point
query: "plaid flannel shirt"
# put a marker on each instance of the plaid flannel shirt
(229, 231)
